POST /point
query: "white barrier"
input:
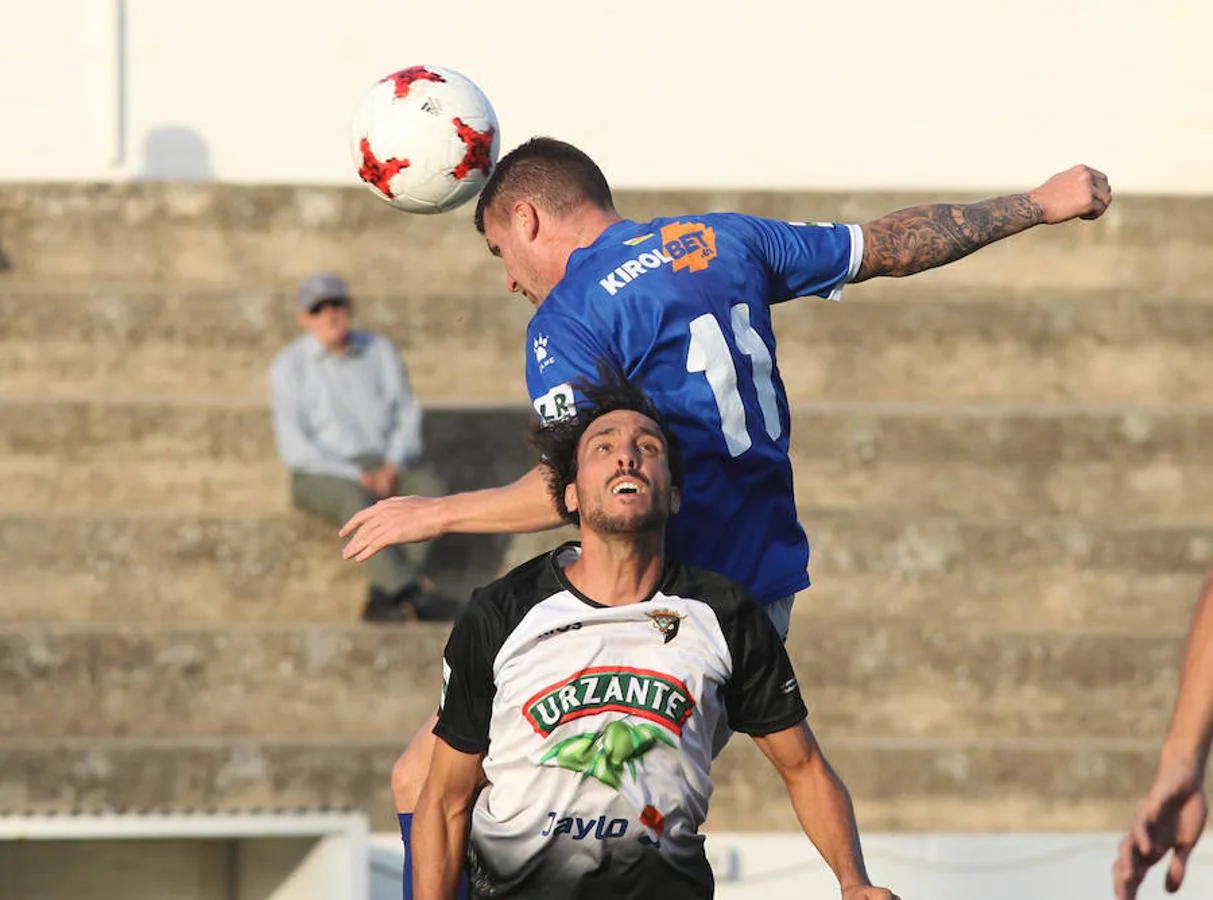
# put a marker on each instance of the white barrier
(301, 855)
(1073, 866)
(1067, 866)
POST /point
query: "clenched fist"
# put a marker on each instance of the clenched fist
(1077, 193)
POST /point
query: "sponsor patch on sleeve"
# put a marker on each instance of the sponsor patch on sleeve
(558, 403)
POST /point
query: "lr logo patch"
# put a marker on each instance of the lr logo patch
(690, 245)
(557, 403)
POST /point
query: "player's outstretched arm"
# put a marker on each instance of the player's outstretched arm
(823, 807)
(516, 508)
(440, 825)
(924, 237)
(1172, 815)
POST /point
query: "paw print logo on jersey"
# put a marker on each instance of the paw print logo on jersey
(667, 622)
(543, 356)
(690, 245)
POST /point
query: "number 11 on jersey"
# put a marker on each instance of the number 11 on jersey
(709, 353)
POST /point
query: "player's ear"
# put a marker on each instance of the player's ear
(675, 501)
(570, 497)
(528, 217)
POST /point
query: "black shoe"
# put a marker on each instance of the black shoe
(430, 605)
(384, 607)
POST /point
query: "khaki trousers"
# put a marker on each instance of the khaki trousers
(334, 500)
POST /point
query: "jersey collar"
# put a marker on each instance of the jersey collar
(617, 232)
(570, 550)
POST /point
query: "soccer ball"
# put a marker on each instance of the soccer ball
(425, 139)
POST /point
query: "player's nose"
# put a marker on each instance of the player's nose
(511, 284)
(629, 457)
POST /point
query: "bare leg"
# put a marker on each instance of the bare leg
(408, 775)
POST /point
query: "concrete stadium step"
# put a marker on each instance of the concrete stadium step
(207, 454)
(184, 568)
(944, 785)
(138, 338)
(889, 341)
(1053, 597)
(189, 568)
(299, 682)
(227, 235)
(1004, 461)
(930, 785)
(312, 682)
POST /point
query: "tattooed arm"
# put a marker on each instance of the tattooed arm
(923, 237)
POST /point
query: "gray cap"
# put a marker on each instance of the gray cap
(321, 286)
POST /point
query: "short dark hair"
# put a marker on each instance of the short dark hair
(553, 173)
(557, 441)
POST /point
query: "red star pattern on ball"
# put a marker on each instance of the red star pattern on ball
(405, 78)
(478, 149)
(376, 172)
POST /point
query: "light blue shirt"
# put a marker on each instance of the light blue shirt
(331, 408)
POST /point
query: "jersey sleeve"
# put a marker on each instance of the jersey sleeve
(761, 695)
(468, 688)
(808, 258)
(561, 352)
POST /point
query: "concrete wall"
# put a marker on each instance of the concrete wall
(935, 94)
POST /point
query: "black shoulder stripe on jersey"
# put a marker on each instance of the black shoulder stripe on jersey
(501, 605)
(722, 594)
(481, 630)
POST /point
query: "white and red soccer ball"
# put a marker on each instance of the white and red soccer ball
(425, 139)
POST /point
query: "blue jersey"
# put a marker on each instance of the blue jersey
(682, 306)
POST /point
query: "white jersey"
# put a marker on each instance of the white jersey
(599, 725)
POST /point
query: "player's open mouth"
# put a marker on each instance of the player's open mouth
(626, 486)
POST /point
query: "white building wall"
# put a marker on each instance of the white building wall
(673, 93)
(186, 856)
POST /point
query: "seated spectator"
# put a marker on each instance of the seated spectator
(348, 428)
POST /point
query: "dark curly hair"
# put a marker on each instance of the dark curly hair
(557, 441)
